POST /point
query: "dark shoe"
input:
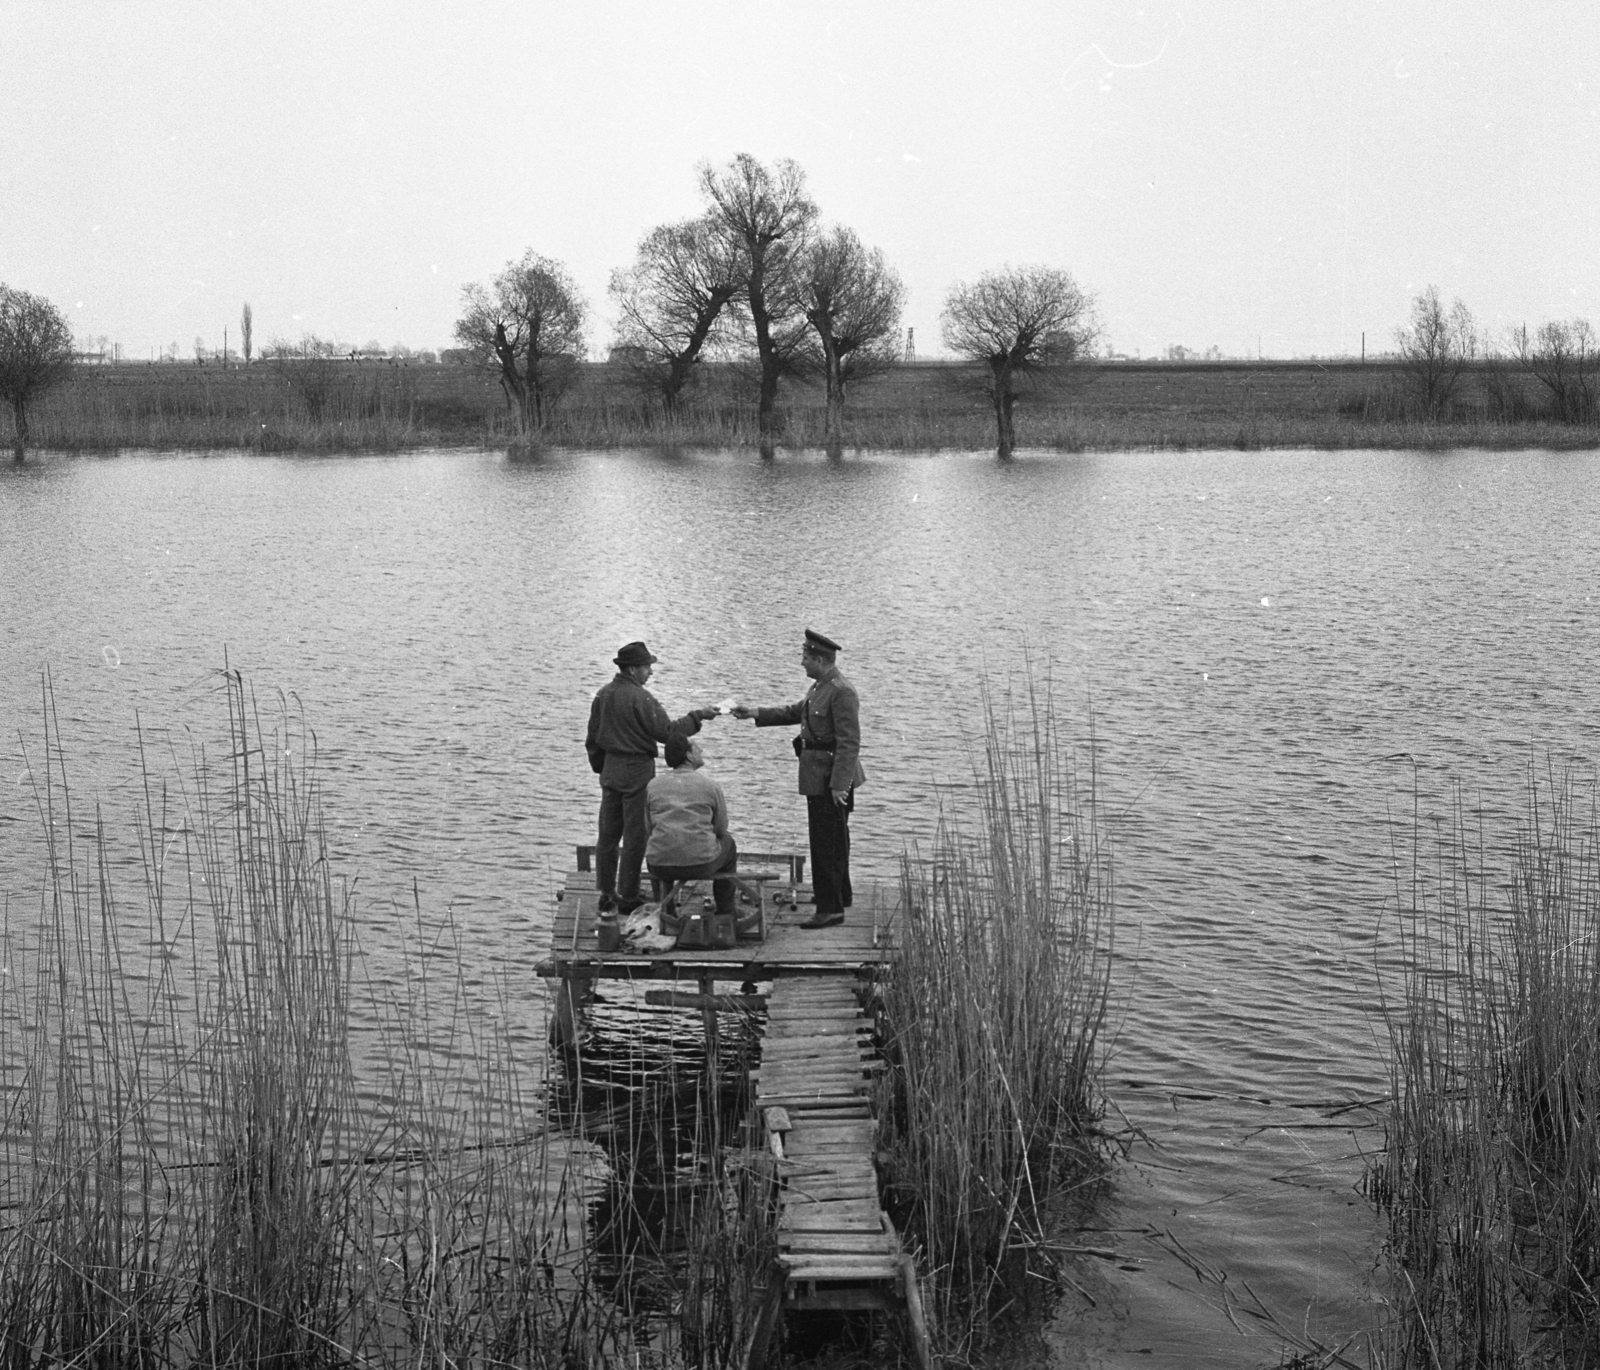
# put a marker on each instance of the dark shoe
(626, 907)
(823, 920)
(607, 904)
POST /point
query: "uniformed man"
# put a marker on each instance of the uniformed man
(829, 748)
(626, 722)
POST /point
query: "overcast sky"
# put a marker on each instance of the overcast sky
(1245, 175)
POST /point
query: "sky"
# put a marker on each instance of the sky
(1265, 178)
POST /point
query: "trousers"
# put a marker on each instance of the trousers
(619, 852)
(829, 825)
(725, 862)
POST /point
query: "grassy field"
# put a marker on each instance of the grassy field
(379, 406)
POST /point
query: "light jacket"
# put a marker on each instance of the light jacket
(686, 812)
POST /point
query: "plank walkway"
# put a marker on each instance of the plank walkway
(812, 1093)
(812, 1090)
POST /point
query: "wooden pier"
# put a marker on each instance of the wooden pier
(812, 1105)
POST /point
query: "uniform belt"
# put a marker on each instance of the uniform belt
(816, 746)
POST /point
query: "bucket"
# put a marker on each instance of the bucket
(607, 933)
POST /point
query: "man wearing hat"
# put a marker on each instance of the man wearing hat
(829, 747)
(626, 722)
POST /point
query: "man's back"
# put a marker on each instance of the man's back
(687, 814)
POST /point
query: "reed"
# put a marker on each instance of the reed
(1490, 1177)
(323, 405)
(191, 1174)
(994, 1016)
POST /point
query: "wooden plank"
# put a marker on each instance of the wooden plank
(854, 1191)
(800, 1173)
(851, 1208)
(822, 1222)
(777, 1119)
(849, 1270)
(880, 1242)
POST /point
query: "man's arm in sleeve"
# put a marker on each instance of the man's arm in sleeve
(591, 740)
(658, 725)
(846, 737)
(719, 811)
(781, 714)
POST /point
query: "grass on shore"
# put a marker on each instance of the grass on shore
(327, 406)
(1490, 1179)
(993, 1021)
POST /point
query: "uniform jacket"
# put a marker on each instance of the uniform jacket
(830, 720)
(625, 723)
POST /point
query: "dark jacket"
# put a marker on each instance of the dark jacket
(830, 733)
(625, 723)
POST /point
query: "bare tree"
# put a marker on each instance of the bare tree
(1021, 323)
(1436, 348)
(310, 369)
(770, 216)
(528, 325)
(1563, 357)
(673, 299)
(852, 300)
(35, 354)
(245, 332)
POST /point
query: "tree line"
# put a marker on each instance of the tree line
(1443, 344)
(757, 278)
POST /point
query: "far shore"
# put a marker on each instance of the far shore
(382, 406)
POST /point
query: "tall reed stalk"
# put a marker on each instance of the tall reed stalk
(1490, 1178)
(994, 1016)
(191, 1172)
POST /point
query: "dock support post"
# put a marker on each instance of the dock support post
(566, 1017)
(708, 1016)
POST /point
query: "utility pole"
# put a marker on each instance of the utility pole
(224, 347)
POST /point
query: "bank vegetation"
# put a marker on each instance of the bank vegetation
(325, 404)
(1489, 1180)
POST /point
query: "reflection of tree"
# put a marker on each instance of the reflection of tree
(1022, 323)
(35, 355)
(527, 325)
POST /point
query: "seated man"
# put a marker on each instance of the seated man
(686, 815)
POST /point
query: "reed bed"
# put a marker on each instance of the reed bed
(324, 405)
(1490, 1178)
(190, 1173)
(994, 1018)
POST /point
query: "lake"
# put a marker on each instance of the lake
(1280, 655)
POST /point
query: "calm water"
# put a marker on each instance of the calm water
(1272, 646)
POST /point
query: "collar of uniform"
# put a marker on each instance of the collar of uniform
(829, 674)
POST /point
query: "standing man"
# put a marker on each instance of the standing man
(625, 723)
(829, 748)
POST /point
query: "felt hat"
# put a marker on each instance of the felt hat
(634, 654)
